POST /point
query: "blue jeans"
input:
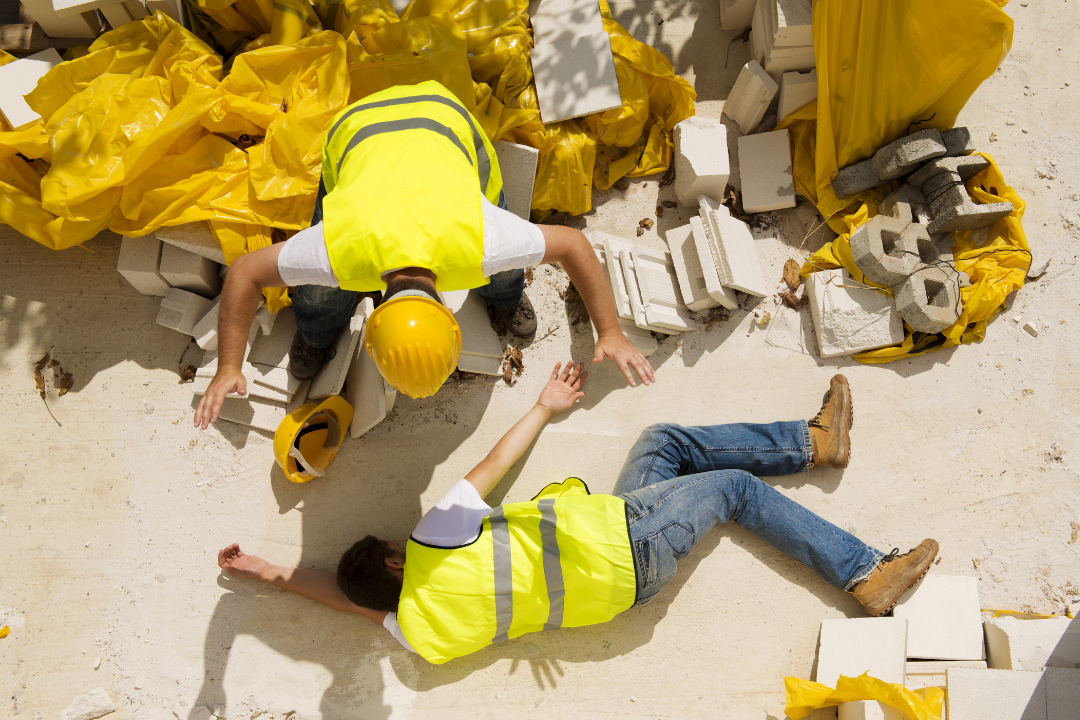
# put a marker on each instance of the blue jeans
(322, 311)
(680, 482)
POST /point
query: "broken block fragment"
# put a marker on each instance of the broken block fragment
(688, 269)
(737, 257)
(365, 388)
(701, 159)
(190, 272)
(750, 97)
(180, 310)
(957, 142)
(797, 90)
(850, 319)
(331, 378)
(765, 167)
(139, 264)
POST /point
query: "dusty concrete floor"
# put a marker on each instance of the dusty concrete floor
(110, 523)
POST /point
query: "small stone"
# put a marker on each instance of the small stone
(1010, 121)
(1031, 329)
(86, 544)
(1038, 268)
(159, 577)
(1018, 319)
(97, 663)
(633, 699)
(1023, 130)
(147, 407)
(89, 706)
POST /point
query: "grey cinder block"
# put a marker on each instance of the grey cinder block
(855, 178)
(929, 300)
(900, 156)
(942, 183)
(885, 248)
(189, 271)
(957, 142)
(139, 264)
(180, 310)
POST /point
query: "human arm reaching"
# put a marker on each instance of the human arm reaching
(559, 395)
(247, 277)
(571, 248)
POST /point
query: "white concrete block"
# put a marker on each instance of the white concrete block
(73, 8)
(477, 337)
(275, 378)
(736, 14)
(750, 96)
(205, 331)
(55, 26)
(1015, 644)
(92, 705)
(765, 168)
(867, 710)
(138, 263)
(610, 246)
(195, 238)
(944, 618)
(850, 319)
(201, 383)
(691, 277)
(918, 682)
(180, 310)
(797, 90)
(331, 379)
(555, 20)
(365, 388)
(738, 264)
(709, 261)
(658, 287)
(517, 163)
(877, 646)
(19, 78)
(938, 667)
(575, 76)
(775, 57)
(642, 339)
(254, 412)
(273, 349)
(1062, 693)
(701, 159)
(191, 272)
(789, 22)
(480, 364)
(995, 695)
(117, 15)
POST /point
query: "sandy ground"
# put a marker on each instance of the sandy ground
(110, 524)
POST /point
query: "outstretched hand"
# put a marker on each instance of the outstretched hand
(240, 565)
(616, 347)
(225, 381)
(564, 388)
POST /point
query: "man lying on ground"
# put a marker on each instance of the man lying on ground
(478, 575)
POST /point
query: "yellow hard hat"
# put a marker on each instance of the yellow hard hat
(414, 341)
(310, 436)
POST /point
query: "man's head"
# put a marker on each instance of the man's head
(411, 279)
(370, 573)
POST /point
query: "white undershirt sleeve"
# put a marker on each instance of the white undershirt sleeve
(509, 242)
(305, 261)
(390, 623)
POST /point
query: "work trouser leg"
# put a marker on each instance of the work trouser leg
(679, 483)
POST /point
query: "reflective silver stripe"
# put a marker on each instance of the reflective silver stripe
(552, 564)
(482, 159)
(504, 576)
(396, 126)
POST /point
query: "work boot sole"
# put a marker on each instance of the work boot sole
(904, 584)
(845, 437)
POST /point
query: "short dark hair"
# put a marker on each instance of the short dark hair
(364, 578)
(408, 282)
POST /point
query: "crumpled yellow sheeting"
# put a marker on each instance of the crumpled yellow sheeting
(804, 696)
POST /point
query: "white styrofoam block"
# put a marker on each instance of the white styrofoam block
(180, 310)
(642, 339)
(557, 19)
(575, 76)
(365, 388)
(851, 647)
(709, 261)
(848, 318)
(331, 378)
(658, 287)
(93, 704)
(189, 271)
(797, 90)
(517, 163)
(688, 269)
(765, 168)
(194, 237)
(138, 263)
(255, 412)
(995, 695)
(477, 337)
(1016, 644)
(944, 618)
(750, 96)
(19, 78)
(736, 14)
(738, 263)
(701, 159)
(867, 710)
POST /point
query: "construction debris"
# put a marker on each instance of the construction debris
(797, 90)
(517, 164)
(750, 97)
(849, 318)
(701, 160)
(765, 164)
(942, 183)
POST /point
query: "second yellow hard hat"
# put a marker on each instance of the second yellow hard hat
(414, 341)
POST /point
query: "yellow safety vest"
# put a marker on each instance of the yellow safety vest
(562, 559)
(404, 170)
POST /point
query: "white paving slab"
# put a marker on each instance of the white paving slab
(765, 167)
(849, 318)
(995, 695)
(331, 379)
(555, 20)
(480, 364)
(477, 336)
(850, 647)
(737, 256)
(944, 618)
(19, 78)
(575, 76)
(1016, 644)
(254, 412)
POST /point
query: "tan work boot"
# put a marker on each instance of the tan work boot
(829, 440)
(879, 592)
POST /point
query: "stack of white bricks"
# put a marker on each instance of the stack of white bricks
(117, 13)
(781, 39)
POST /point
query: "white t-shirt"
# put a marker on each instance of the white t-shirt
(454, 521)
(509, 243)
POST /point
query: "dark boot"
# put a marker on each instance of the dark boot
(520, 319)
(305, 361)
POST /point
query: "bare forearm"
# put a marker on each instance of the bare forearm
(239, 301)
(508, 450)
(318, 585)
(579, 259)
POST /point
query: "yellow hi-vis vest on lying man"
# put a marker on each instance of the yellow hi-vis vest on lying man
(561, 560)
(404, 170)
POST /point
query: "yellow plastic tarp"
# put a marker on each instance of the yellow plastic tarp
(886, 70)
(804, 696)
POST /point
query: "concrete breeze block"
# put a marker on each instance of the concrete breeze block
(850, 319)
(688, 269)
(701, 160)
(195, 238)
(765, 166)
(736, 14)
(957, 142)
(850, 647)
(942, 183)
(749, 97)
(19, 78)
(92, 705)
(867, 710)
(708, 256)
(901, 156)
(477, 336)
(517, 163)
(739, 267)
(929, 300)
(995, 695)
(190, 272)
(180, 310)
(575, 76)
(331, 378)
(885, 248)
(1015, 644)
(797, 90)
(944, 618)
(138, 263)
